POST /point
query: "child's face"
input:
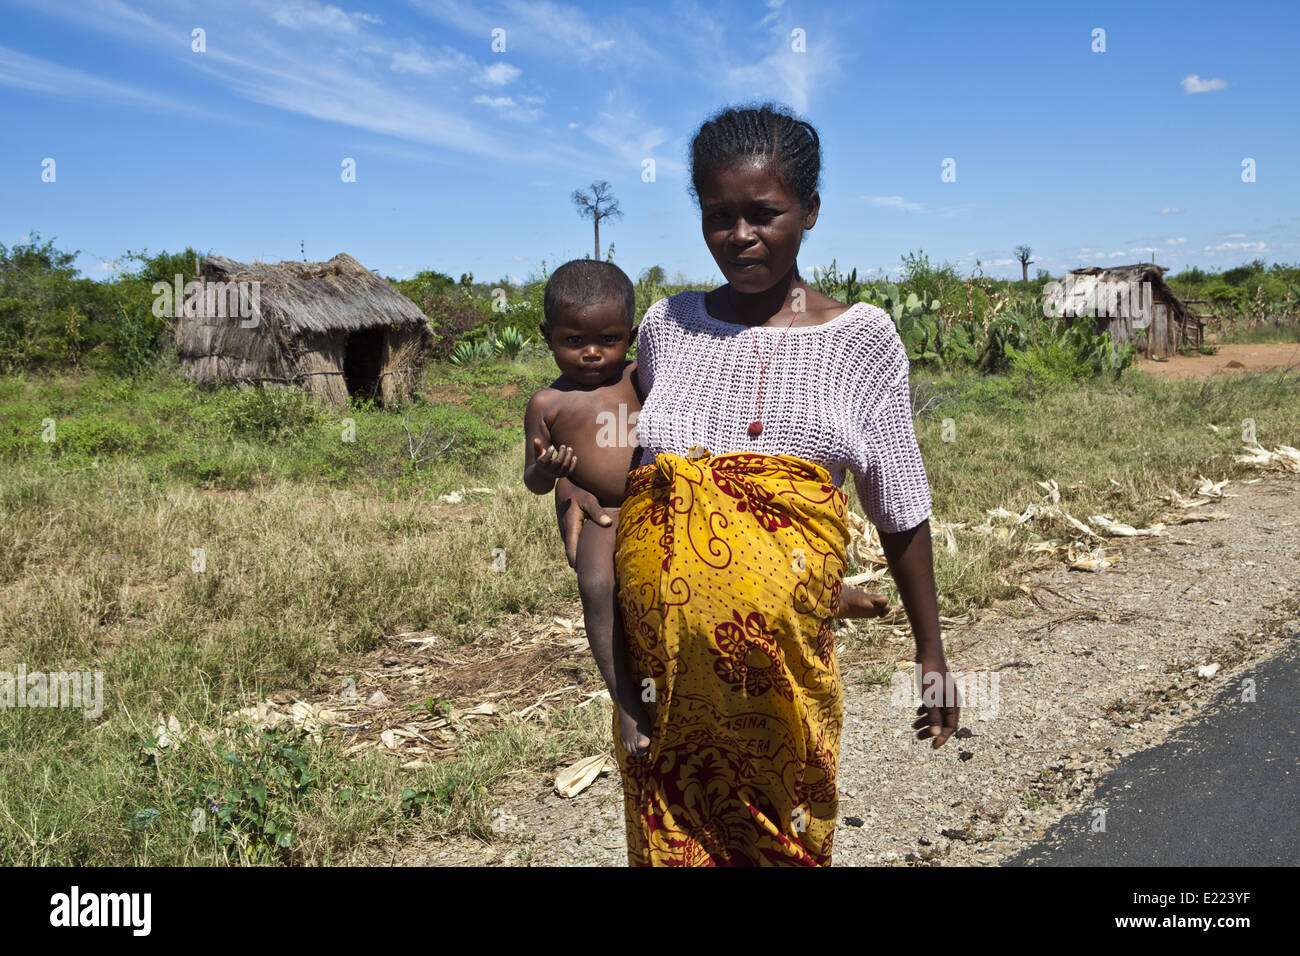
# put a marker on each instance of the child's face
(753, 224)
(589, 342)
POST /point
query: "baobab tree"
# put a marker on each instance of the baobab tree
(1022, 255)
(597, 203)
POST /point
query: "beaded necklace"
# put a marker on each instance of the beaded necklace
(756, 426)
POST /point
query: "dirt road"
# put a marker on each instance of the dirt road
(1097, 667)
(1228, 360)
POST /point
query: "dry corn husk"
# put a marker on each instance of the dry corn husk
(572, 780)
(1115, 529)
(1284, 457)
(1211, 489)
(1095, 560)
(1174, 498)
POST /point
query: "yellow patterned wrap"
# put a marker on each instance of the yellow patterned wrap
(729, 571)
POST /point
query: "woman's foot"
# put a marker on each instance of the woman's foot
(855, 603)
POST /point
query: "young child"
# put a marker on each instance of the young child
(590, 308)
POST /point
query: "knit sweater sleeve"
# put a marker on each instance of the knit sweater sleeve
(887, 470)
(646, 334)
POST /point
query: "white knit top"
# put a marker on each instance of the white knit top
(835, 394)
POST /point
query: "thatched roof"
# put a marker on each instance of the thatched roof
(290, 322)
(1097, 288)
(299, 297)
(1140, 272)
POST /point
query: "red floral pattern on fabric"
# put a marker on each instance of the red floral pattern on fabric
(734, 629)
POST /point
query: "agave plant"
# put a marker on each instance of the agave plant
(512, 342)
(463, 353)
(470, 350)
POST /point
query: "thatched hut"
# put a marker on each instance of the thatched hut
(1132, 303)
(335, 328)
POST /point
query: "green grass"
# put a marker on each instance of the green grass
(1281, 331)
(317, 547)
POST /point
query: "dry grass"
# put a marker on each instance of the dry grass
(309, 583)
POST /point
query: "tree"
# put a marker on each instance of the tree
(597, 203)
(1022, 255)
(653, 276)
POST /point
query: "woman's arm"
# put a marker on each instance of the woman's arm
(573, 504)
(894, 491)
(911, 562)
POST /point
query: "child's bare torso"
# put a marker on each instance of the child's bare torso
(599, 424)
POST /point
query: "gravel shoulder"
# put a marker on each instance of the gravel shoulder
(1097, 666)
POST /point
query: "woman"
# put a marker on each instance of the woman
(732, 543)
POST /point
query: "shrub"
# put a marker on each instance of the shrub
(93, 436)
(1060, 352)
(451, 316)
(271, 415)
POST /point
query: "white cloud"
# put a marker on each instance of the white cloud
(451, 61)
(622, 129)
(1181, 240)
(308, 15)
(895, 202)
(553, 30)
(1238, 246)
(413, 62)
(774, 9)
(789, 75)
(507, 107)
(1194, 84)
(340, 70)
(1170, 211)
(499, 74)
(1234, 235)
(44, 76)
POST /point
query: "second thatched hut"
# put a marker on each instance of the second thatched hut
(1133, 303)
(335, 328)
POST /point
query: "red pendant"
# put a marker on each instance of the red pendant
(755, 428)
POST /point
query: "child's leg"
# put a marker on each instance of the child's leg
(595, 567)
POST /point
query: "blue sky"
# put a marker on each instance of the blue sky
(466, 157)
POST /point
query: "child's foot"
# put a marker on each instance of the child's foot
(634, 728)
(855, 603)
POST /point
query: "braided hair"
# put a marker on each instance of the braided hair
(790, 145)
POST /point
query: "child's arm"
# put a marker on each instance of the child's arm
(543, 464)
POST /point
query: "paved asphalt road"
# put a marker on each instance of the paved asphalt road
(1224, 790)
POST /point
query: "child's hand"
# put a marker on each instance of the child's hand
(557, 463)
(855, 603)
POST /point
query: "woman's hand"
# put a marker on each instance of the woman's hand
(572, 506)
(938, 715)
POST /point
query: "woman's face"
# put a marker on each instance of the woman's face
(752, 224)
